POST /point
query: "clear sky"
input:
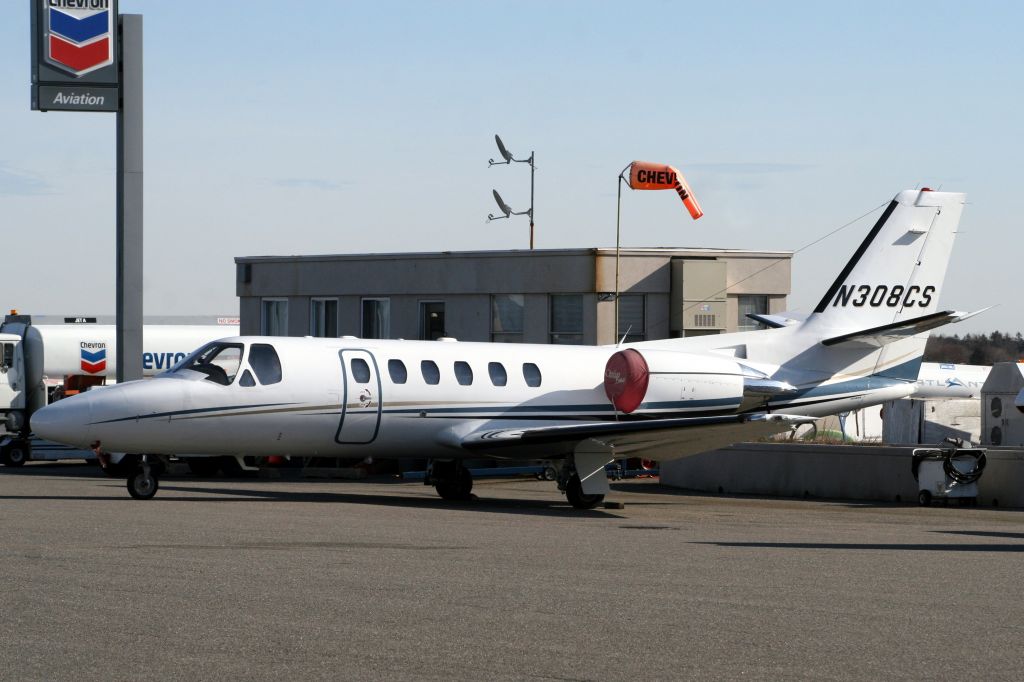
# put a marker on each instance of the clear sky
(349, 127)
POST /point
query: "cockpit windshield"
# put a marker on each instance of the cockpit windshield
(218, 361)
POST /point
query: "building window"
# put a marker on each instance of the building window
(376, 318)
(566, 318)
(323, 317)
(757, 305)
(507, 318)
(274, 321)
(632, 318)
(432, 320)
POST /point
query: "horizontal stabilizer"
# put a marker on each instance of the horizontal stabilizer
(661, 439)
(877, 337)
(779, 320)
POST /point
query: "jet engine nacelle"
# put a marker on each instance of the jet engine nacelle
(662, 380)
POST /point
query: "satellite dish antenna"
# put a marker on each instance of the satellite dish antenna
(505, 154)
(501, 204)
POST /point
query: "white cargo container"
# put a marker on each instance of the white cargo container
(1001, 422)
(931, 421)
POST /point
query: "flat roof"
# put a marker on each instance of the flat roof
(523, 253)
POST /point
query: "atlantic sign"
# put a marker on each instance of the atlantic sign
(74, 55)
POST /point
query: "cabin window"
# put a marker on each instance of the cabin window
(218, 361)
(431, 374)
(531, 373)
(463, 373)
(8, 360)
(396, 368)
(499, 377)
(246, 379)
(264, 361)
(360, 370)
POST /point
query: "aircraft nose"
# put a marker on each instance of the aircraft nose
(65, 421)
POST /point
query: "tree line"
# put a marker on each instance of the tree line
(975, 349)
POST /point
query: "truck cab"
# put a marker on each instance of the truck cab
(12, 400)
(12, 374)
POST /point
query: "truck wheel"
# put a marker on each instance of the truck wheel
(924, 498)
(16, 456)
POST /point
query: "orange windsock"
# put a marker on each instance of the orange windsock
(645, 175)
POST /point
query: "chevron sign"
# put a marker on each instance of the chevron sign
(79, 35)
(94, 357)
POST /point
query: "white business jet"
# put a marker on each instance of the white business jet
(579, 406)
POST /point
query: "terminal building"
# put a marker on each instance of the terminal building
(539, 296)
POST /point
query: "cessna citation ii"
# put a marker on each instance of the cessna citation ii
(578, 406)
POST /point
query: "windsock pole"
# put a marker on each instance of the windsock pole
(618, 241)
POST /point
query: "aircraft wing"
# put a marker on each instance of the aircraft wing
(661, 439)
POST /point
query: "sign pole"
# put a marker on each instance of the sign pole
(129, 202)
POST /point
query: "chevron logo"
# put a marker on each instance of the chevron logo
(80, 40)
(94, 362)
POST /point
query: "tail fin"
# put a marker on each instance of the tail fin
(897, 273)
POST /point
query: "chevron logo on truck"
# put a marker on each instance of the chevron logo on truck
(79, 35)
(94, 357)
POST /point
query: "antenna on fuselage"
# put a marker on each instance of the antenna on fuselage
(623, 339)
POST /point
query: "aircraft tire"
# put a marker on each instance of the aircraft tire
(577, 498)
(143, 486)
(457, 488)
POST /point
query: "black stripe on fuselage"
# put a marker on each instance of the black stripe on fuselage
(198, 410)
(856, 258)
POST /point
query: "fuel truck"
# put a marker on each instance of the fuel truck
(41, 363)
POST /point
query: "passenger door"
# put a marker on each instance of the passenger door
(360, 398)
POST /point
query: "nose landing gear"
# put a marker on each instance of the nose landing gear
(144, 481)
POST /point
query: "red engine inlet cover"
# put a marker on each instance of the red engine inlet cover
(625, 379)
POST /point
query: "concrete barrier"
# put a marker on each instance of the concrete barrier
(850, 472)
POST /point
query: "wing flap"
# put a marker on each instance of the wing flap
(661, 439)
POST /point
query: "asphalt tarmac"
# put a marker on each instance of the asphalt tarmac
(276, 579)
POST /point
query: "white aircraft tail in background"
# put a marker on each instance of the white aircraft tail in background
(579, 406)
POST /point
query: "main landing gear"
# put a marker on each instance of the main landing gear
(451, 479)
(577, 498)
(570, 483)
